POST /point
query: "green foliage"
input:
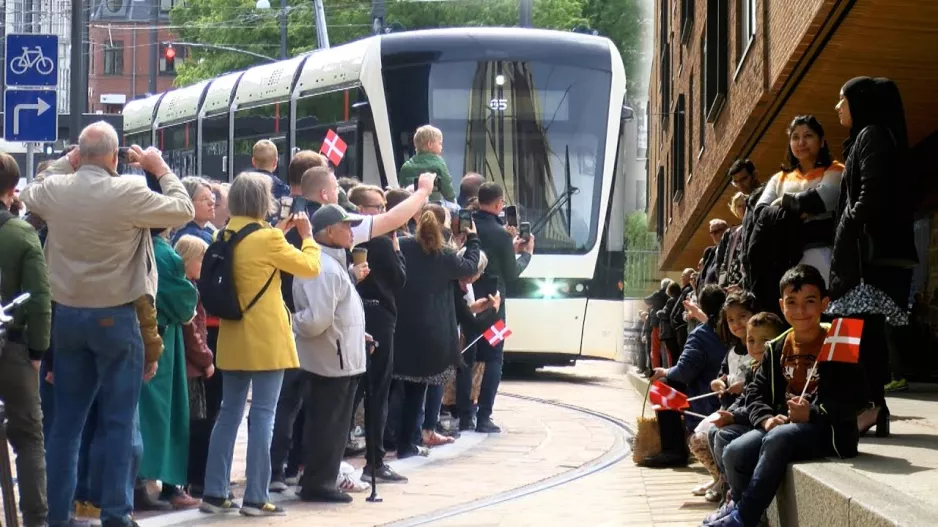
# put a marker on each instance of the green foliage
(236, 23)
(640, 275)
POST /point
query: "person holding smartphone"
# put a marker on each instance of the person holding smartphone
(508, 257)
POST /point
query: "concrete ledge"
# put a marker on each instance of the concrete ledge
(833, 494)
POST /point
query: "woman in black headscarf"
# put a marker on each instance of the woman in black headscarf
(874, 248)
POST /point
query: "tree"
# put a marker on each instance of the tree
(238, 24)
(641, 256)
(627, 24)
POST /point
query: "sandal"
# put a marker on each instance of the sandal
(702, 489)
(432, 439)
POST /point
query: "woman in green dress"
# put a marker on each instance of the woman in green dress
(164, 401)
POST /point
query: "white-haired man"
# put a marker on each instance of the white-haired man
(100, 260)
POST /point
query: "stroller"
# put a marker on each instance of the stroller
(6, 470)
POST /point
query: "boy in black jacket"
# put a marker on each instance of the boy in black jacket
(786, 426)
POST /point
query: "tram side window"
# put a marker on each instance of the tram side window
(317, 114)
(178, 145)
(215, 147)
(263, 122)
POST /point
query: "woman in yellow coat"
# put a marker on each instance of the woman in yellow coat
(253, 352)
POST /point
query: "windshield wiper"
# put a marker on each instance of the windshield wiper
(564, 199)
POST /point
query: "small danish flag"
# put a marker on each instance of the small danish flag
(333, 147)
(664, 397)
(497, 333)
(843, 341)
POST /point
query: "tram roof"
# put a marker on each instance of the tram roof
(218, 96)
(339, 66)
(267, 82)
(181, 105)
(138, 114)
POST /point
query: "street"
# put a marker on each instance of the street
(552, 465)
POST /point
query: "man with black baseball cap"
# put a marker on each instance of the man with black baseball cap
(329, 324)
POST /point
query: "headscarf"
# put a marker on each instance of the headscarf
(875, 102)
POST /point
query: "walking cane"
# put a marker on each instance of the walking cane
(370, 431)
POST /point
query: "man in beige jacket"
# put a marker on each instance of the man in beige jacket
(100, 260)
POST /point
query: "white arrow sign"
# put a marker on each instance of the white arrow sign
(41, 106)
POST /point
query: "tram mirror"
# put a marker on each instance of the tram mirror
(224, 164)
(627, 113)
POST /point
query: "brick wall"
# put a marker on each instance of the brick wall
(133, 81)
(756, 71)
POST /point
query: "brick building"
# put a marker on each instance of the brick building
(119, 52)
(729, 75)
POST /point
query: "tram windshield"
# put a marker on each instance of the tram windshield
(261, 122)
(177, 143)
(536, 128)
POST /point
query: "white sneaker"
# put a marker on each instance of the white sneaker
(345, 468)
(349, 483)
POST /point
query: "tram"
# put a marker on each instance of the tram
(539, 112)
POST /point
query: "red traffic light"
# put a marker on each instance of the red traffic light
(170, 53)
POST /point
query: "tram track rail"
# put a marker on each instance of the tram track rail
(620, 450)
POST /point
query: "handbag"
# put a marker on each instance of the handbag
(647, 441)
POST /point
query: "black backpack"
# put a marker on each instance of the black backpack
(217, 285)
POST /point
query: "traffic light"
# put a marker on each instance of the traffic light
(170, 55)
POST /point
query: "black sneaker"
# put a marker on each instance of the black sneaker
(261, 509)
(211, 505)
(466, 424)
(385, 474)
(277, 485)
(486, 426)
(325, 496)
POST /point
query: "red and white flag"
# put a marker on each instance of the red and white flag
(497, 333)
(664, 397)
(843, 341)
(333, 147)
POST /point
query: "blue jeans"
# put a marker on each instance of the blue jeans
(98, 355)
(91, 455)
(431, 408)
(494, 358)
(756, 462)
(719, 438)
(266, 390)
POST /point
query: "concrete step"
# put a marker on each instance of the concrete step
(894, 481)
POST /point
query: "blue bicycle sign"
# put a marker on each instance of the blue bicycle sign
(32, 60)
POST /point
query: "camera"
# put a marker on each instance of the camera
(124, 154)
(436, 184)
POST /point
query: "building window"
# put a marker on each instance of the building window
(167, 5)
(702, 126)
(690, 126)
(114, 58)
(166, 69)
(687, 19)
(665, 83)
(745, 26)
(659, 220)
(678, 149)
(717, 69)
(663, 36)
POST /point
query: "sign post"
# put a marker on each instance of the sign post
(30, 103)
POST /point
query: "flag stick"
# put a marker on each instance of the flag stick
(808, 378)
(704, 396)
(471, 343)
(695, 414)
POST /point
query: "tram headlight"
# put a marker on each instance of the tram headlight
(548, 288)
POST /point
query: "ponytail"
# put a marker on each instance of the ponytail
(430, 228)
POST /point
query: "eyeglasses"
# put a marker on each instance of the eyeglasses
(380, 207)
(210, 200)
(739, 181)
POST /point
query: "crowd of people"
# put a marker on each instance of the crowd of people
(743, 332)
(160, 311)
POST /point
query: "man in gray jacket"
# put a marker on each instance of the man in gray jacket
(329, 324)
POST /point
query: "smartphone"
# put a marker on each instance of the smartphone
(299, 205)
(436, 184)
(123, 154)
(524, 231)
(286, 204)
(511, 215)
(465, 219)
